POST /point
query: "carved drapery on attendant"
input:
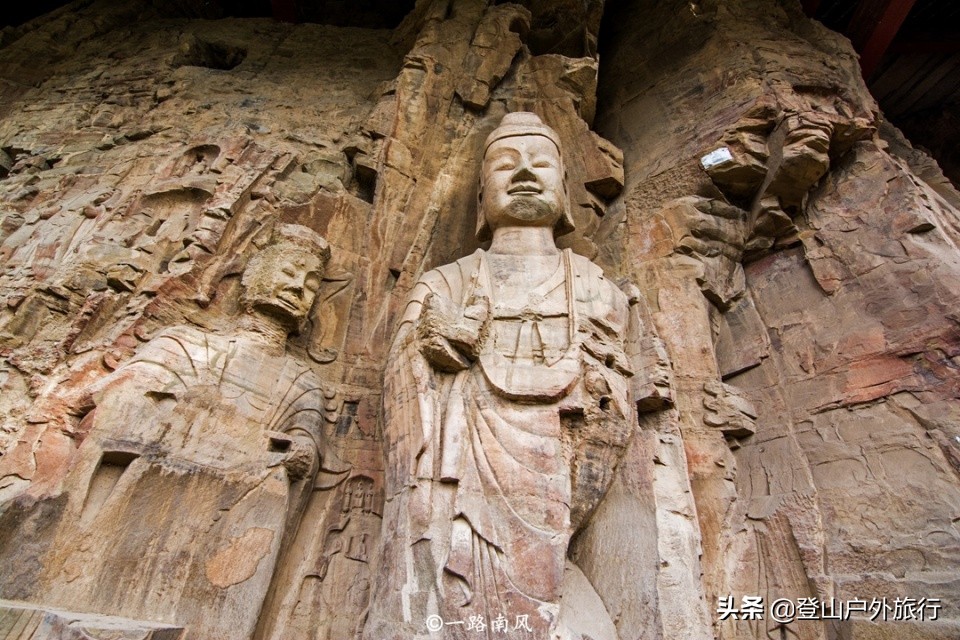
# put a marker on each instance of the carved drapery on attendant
(210, 443)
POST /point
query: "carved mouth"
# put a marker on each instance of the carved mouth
(525, 189)
(288, 300)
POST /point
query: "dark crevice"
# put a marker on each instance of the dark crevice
(347, 417)
(365, 183)
(392, 276)
(197, 52)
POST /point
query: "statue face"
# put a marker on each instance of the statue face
(522, 182)
(285, 284)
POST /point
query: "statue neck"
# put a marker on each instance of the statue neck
(524, 241)
(266, 329)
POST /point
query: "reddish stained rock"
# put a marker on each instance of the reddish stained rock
(804, 290)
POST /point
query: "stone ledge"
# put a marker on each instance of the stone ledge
(23, 621)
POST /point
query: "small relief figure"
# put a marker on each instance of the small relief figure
(332, 599)
(358, 594)
(508, 403)
(357, 502)
(202, 454)
(361, 553)
(334, 547)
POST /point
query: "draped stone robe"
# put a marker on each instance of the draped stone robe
(181, 494)
(493, 468)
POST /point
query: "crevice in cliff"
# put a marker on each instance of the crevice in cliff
(199, 52)
(565, 28)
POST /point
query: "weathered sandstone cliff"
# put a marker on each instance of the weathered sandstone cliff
(173, 464)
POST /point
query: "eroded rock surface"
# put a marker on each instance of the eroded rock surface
(782, 378)
(794, 258)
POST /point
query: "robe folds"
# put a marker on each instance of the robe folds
(182, 494)
(492, 469)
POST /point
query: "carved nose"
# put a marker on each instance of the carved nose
(524, 174)
(295, 288)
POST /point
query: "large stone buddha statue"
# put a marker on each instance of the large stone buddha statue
(507, 406)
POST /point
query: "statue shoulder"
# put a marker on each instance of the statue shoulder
(450, 278)
(168, 360)
(586, 268)
(178, 341)
(183, 332)
(599, 296)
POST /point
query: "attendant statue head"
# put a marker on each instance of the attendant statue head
(522, 182)
(281, 280)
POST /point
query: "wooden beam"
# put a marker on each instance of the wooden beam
(284, 10)
(872, 28)
(934, 43)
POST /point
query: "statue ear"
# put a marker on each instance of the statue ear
(483, 229)
(327, 317)
(566, 223)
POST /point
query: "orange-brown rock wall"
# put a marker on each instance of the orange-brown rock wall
(840, 330)
(797, 277)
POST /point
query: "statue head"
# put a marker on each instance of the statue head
(522, 182)
(281, 280)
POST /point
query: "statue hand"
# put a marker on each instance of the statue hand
(296, 452)
(450, 337)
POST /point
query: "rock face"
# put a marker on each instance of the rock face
(811, 272)
(762, 397)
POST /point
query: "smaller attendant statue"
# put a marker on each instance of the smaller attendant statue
(202, 453)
